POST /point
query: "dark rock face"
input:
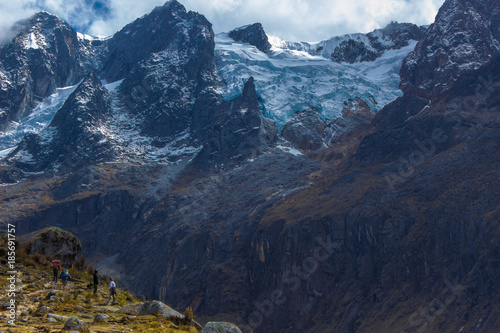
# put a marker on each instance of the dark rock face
(399, 34)
(236, 131)
(44, 55)
(254, 35)
(305, 131)
(10, 175)
(393, 36)
(53, 242)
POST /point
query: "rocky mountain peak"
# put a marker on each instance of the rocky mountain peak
(44, 31)
(168, 28)
(464, 37)
(45, 54)
(38, 21)
(253, 34)
(249, 93)
(400, 33)
(174, 5)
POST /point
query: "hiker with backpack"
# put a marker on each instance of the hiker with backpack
(96, 281)
(65, 277)
(56, 267)
(112, 292)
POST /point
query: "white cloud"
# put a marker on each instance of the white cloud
(10, 12)
(314, 19)
(288, 19)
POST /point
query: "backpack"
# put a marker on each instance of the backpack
(55, 264)
(64, 274)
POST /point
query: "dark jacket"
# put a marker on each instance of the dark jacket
(96, 279)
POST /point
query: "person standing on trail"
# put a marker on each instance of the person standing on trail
(65, 277)
(96, 281)
(56, 267)
(112, 291)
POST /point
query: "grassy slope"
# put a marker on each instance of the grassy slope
(34, 282)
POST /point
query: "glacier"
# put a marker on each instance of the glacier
(290, 78)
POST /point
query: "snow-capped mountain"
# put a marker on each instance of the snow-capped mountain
(162, 77)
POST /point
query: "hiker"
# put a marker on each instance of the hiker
(56, 267)
(96, 281)
(65, 277)
(112, 292)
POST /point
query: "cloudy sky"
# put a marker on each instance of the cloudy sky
(304, 20)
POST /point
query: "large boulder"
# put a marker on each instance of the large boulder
(155, 308)
(53, 242)
(100, 319)
(220, 327)
(41, 310)
(75, 324)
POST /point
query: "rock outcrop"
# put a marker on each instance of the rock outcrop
(306, 130)
(53, 242)
(235, 131)
(356, 115)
